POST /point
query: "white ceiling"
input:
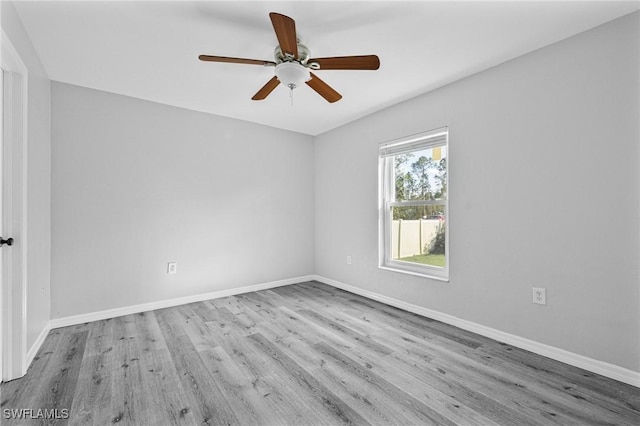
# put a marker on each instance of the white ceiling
(149, 50)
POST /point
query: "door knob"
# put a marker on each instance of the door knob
(8, 241)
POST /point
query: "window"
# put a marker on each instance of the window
(414, 230)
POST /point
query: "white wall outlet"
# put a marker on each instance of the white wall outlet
(172, 268)
(540, 296)
(348, 260)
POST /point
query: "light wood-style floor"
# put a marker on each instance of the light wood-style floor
(304, 354)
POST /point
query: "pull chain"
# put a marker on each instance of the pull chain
(291, 87)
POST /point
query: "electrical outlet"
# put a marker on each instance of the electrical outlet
(172, 268)
(348, 260)
(540, 295)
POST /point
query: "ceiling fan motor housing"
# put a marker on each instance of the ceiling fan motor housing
(303, 55)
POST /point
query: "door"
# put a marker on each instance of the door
(8, 242)
(1, 206)
(13, 145)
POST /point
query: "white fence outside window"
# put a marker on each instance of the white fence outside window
(409, 237)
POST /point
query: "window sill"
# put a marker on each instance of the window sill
(424, 274)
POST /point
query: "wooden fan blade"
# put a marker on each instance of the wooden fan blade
(266, 89)
(323, 89)
(209, 58)
(365, 62)
(285, 29)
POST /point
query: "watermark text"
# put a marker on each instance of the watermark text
(32, 414)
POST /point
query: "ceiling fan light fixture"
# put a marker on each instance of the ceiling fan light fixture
(292, 74)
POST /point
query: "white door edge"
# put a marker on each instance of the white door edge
(14, 282)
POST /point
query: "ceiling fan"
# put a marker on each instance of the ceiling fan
(292, 63)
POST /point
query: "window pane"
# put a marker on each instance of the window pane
(418, 235)
(421, 175)
(413, 171)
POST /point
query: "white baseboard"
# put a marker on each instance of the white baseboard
(33, 350)
(144, 307)
(599, 367)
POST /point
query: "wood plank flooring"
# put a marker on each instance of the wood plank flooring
(305, 354)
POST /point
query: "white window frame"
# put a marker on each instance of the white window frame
(386, 153)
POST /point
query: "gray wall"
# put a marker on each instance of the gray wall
(544, 192)
(38, 186)
(138, 184)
